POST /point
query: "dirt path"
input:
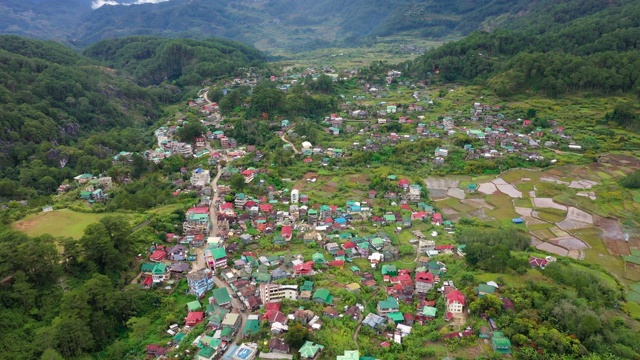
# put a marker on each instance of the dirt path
(204, 96)
(290, 143)
(355, 334)
(141, 225)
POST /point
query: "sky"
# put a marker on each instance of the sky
(99, 3)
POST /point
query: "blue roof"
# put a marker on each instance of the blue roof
(198, 170)
(517, 220)
(341, 220)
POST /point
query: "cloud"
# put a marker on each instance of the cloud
(99, 3)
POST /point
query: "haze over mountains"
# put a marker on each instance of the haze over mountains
(266, 24)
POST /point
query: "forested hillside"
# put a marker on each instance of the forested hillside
(64, 114)
(558, 48)
(293, 25)
(152, 60)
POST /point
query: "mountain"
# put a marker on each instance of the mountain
(557, 47)
(152, 60)
(42, 18)
(267, 24)
(292, 25)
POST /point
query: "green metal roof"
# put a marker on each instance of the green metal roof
(396, 316)
(221, 295)
(194, 305)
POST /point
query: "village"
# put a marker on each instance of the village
(257, 260)
(238, 293)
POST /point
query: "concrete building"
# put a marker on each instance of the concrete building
(275, 292)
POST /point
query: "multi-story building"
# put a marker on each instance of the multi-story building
(275, 292)
(200, 282)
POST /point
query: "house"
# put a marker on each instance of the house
(286, 232)
(155, 350)
(500, 343)
(455, 302)
(310, 350)
(427, 313)
(484, 289)
(322, 295)
(220, 297)
(158, 255)
(436, 219)
(330, 312)
(353, 312)
(232, 320)
(396, 317)
(200, 282)
(177, 253)
(537, 262)
(387, 306)
(424, 282)
(147, 283)
(194, 318)
(349, 355)
(389, 270)
(374, 321)
(206, 353)
(252, 326)
(303, 268)
(160, 273)
(278, 346)
(353, 287)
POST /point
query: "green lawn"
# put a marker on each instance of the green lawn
(57, 223)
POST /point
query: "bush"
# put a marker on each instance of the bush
(631, 181)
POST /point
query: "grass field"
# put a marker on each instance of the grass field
(57, 223)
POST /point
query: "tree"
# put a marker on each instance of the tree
(71, 335)
(51, 354)
(297, 335)
(237, 182)
(190, 131)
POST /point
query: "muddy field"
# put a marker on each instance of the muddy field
(548, 203)
(441, 183)
(570, 243)
(487, 188)
(456, 193)
(554, 249)
(507, 188)
(576, 219)
(613, 236)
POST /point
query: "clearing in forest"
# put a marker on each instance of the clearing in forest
(57, 223)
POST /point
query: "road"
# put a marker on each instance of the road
(289, 142)
(200, 261)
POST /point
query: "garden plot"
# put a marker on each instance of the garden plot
(582, 184)
(477, 203)
(507, 188)
(576, 219)
(557, 232)
(480, 214)
(591, 195)
(542, 234)
(570, 243)
(439, 187)
(456, 193)
(487, 188)
(526, 214)
(554, 249)
(548, 203)
(613, 236)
